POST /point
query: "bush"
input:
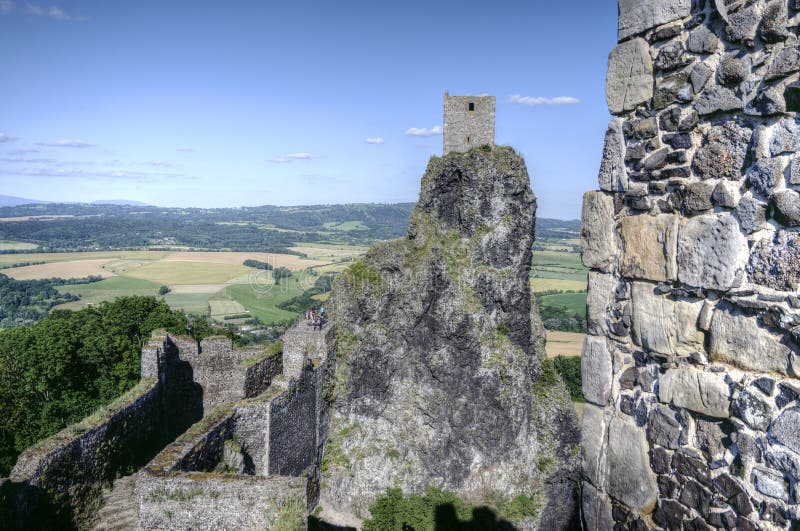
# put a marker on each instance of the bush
(569, 368)
(281, 272)
(257, 264)
(163, 290)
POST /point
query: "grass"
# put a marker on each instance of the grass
(574, 302)
(262, 302)
(345, 226)
(555, 284)
(558, 265)
(8, 245)
(222, 307)
(175, 272)
(104, 290)
(189, 302)
(68, 257)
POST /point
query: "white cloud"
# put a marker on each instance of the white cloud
(5, 138)
(424, 131)
(67, 143)
(186, 150)
(52, 12)
(28, 160)
(538, 100)
(374, 140)
(6, 6)
(23, 151)
(79, 173)
(293, 156)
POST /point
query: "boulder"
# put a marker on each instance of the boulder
(598, 237)
(699, 391)
(629, 80)
(664, 325)
(738, 339)
(712, 252)
(649, 246)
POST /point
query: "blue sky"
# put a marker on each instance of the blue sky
(192, 103)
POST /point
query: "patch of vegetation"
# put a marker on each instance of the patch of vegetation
(306, 300)
(440, 510)
(569, 369)
(563, 311)
(257, 264)
(163, 290)
(289, 513)
(23, 302)
(69, 364)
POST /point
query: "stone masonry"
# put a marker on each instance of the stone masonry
(691, 366)
(468, 122)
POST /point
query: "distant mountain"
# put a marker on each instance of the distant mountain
(119, 202)
(10, 200)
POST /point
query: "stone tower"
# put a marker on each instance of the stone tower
(468, 122)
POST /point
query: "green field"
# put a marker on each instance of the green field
(7, 245)
(574, 302)
(171, 273)
(107, 289)
(262, 302)
(345, 225)
(196, 303)
(558, 265)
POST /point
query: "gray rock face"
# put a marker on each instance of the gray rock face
(437, 364)
(630, 479)
(723, 152)
(598, 304)
(703, 392)
(629, 81)
(613, 175)
(712, 252)
(598, 239)
(596, 508)
(596, 365)
(593, 442)
(738, 339)
(775, 263)
(787, 203)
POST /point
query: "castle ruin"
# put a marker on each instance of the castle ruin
(468, 122)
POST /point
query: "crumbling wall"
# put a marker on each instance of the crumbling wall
(690, 369)
(293, 426)
(302, 343)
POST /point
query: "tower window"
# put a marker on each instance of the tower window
(468, 140)
(471, 106)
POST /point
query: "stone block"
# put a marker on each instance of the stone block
(599, 300)
(596, 509)
(738, 339)
(702, 40)
(664, 325)
(648, 246)
(785, 429)
(637, 16)
(700, 391)
(663, 427)
(754, 410)
(785, 137)
(598, 238)
(593, 444)
(787, 204)
(716, 99)
(751, 213)
(727, 194)
(712, 252)
(613, 176)
(775, 262)
(629, 81)
(630, 479)
(723, 152)
(596, 370)
(770, 483)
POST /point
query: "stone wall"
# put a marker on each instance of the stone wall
(204, 502)
(465, 129)
(690, 369)
(302, 343)
(293, 427)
